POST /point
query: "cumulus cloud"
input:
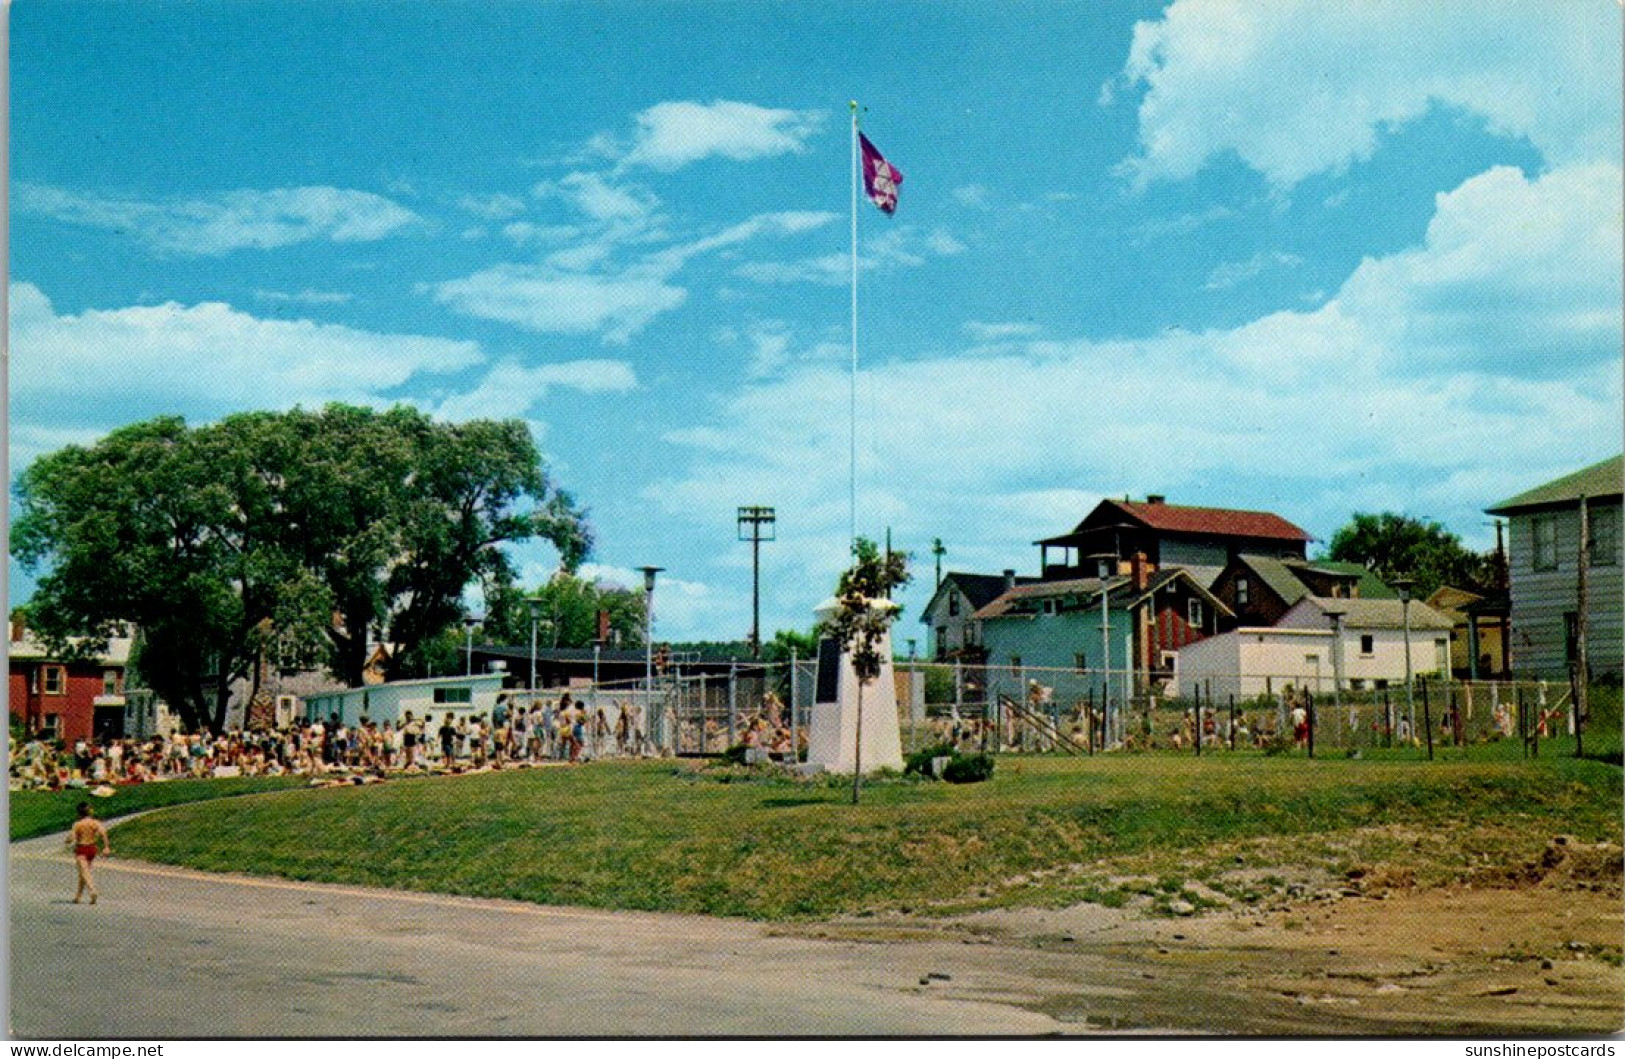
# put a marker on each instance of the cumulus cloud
(90, 371)
(307, 296)
(1229, 274)
(674, 134)
(583, 290)
(1434, 380)
(1296, 87)
(512, 390)
(904, 247)
(495, 207)
(234, 220)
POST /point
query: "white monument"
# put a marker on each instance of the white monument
(832, 740)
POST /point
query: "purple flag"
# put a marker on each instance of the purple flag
(880, 177)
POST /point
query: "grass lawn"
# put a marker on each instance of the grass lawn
(42, 812)
(673, 836)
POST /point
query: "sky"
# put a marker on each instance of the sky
(1282, 255)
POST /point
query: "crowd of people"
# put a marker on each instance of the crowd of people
(516, 733)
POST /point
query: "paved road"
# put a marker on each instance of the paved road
(170, 953)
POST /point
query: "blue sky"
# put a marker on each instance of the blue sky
(1283, 255)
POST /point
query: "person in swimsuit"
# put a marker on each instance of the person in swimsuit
(83, 836)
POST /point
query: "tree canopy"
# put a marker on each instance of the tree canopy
(1392, 546)
(302, 535)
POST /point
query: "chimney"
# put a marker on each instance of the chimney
(1155, 498)
(1142, 575)
(19, 626)
(1009, 580)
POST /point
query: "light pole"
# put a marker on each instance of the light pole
(756, 524)
(649, 573)
(535, 605)
(1104, 561)
(468, 655)
(1403, 586)
(939, 551)
(1336, 615)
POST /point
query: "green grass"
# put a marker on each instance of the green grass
(720, 841)
(42, 812)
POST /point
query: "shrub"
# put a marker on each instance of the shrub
(919, 762)
(968, 768)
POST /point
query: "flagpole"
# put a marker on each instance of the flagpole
(852, 486)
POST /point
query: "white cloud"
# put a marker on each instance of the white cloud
(675, 134)
(980, 331)
(582, 290)
(903, 247)
(103, 367)
(600, 200)
(304, 297)
(684, 610)
(972, 195)
(495, 207)
(1229, 274)
(233, 220)
(511, 390)
(539, 298)
(1297, 87)
(1435, 380)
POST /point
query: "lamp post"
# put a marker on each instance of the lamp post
(649, 573)
(468, 654)
(756, 524)
(1336, 615)
(1403, 586)
(939, 551)
(535, 605)
(1104, 561)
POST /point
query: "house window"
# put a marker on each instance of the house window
(953, 604)
(51, 726)
(1015, 662)
(1604, 531)
(1080, 662)
(1368, 644)
(942, 637)
(54, 680)
(1195, 613)
(452, 696)
(1356, 684)
(1543, 530)
(1170, 661)
(109, 682)
(1051, 606)
(1241, 592)
(1441, 655)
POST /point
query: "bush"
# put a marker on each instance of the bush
(968, 768)
(919, 762)
(734, 755)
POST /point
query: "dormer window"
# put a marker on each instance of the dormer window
(953, 604)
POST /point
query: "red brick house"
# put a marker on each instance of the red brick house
(67, 699)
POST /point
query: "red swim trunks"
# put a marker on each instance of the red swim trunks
(87, 852)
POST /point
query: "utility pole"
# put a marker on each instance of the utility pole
(756, 524)
(939, 551)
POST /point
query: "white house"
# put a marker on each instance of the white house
(436, 696)
(1302, 649)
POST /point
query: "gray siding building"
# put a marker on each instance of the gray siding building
(1544, 570)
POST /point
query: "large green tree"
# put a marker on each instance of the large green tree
(303, 534)
(1393, 546)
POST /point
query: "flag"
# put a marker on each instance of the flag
(880, 177)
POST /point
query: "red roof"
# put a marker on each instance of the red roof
(1173, 518)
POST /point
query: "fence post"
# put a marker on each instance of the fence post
(1427, 716)
(1198, 722)
(794, 757)
(1574, 700)
(733, 703)
(1523, 720)
(1232, 721)
(1387, 721)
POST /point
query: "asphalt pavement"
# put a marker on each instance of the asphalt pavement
(173, 954)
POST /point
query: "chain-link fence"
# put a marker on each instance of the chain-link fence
(766, 709)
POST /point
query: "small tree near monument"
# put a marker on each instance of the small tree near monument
(865, 614)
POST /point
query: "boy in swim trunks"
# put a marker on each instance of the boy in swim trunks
(83, 836)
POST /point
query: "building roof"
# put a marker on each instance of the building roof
(1198, 521)
(1380, 613)
(1370, 585)
(1281, 577)
(980, 589)
(1600, 479)
(1121, 592)
(29, 649)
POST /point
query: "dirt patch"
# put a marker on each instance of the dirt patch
(1356, 938)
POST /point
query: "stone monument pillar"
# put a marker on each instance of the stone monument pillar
(832, 738)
